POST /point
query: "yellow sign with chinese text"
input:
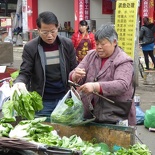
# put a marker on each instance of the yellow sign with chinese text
(125, 24)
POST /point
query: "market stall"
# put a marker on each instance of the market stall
(113, 135)
(26, 132)
(44, 138)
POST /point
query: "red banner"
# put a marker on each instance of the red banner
(107, 7)
(81, 10)
(151, 10)
(144, 8)
(87, 9)
(147, 10)
(76, 15)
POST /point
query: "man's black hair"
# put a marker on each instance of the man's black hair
(47, 17)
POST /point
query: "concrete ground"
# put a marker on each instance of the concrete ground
(147, 99)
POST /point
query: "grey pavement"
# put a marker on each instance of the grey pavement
(147, 99)
(17, 55)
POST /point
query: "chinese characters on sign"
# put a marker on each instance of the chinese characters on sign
(81, 10)
(125, 24)
(87, 9)
(84, 10)
(145, 8)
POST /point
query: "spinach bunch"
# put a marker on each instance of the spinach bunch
(29, 129)
(22, 103)
(5, 129)
(69, 112)
(136, 149)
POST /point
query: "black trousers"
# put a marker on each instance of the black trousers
(146, 57)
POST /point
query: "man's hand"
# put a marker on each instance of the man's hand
(19, 87)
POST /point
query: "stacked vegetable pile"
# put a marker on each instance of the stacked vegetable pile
(36, 131)
(136, 149)
(22, 103)
(5, 129)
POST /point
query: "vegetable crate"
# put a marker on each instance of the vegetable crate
(112, 135)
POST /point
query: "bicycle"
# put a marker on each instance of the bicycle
(141, 68)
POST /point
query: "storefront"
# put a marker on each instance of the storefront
(72, 11)
(102, 11)
(7, 7)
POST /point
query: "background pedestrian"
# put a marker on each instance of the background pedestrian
(83, 40)
(146, 38)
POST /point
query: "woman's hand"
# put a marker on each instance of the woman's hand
(89, 87)
(78, 74)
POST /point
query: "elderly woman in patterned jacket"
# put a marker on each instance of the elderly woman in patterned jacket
(108, 70)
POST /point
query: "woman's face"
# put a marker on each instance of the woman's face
(83, 28)
(48, 32)
(105, 48)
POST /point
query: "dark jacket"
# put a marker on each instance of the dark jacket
(146, 35)
(32, 69)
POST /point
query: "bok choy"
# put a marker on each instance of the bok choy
(22, 103)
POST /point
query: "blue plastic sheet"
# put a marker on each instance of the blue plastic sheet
(139, 115)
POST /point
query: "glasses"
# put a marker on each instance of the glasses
(47, 32)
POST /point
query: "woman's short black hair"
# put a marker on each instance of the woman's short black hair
(84, 23)
(146, 20)
(47, 17)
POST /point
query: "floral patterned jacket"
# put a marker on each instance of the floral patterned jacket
(115, 78)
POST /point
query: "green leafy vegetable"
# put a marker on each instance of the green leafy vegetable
(7, 109)
(136, 149)
(14, 74)
(22, 103)
(69, 110)
(69, 113)
(69, 102)
(34, 130)
(28, 128)
(5, 129)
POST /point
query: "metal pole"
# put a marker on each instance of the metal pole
(136, 51)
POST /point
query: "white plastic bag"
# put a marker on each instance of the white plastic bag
(66, 113)
(5, 91)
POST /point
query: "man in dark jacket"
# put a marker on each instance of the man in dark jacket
(47, 62)
(146, 37)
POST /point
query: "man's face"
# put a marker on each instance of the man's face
(48, 32)
(105, 48)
